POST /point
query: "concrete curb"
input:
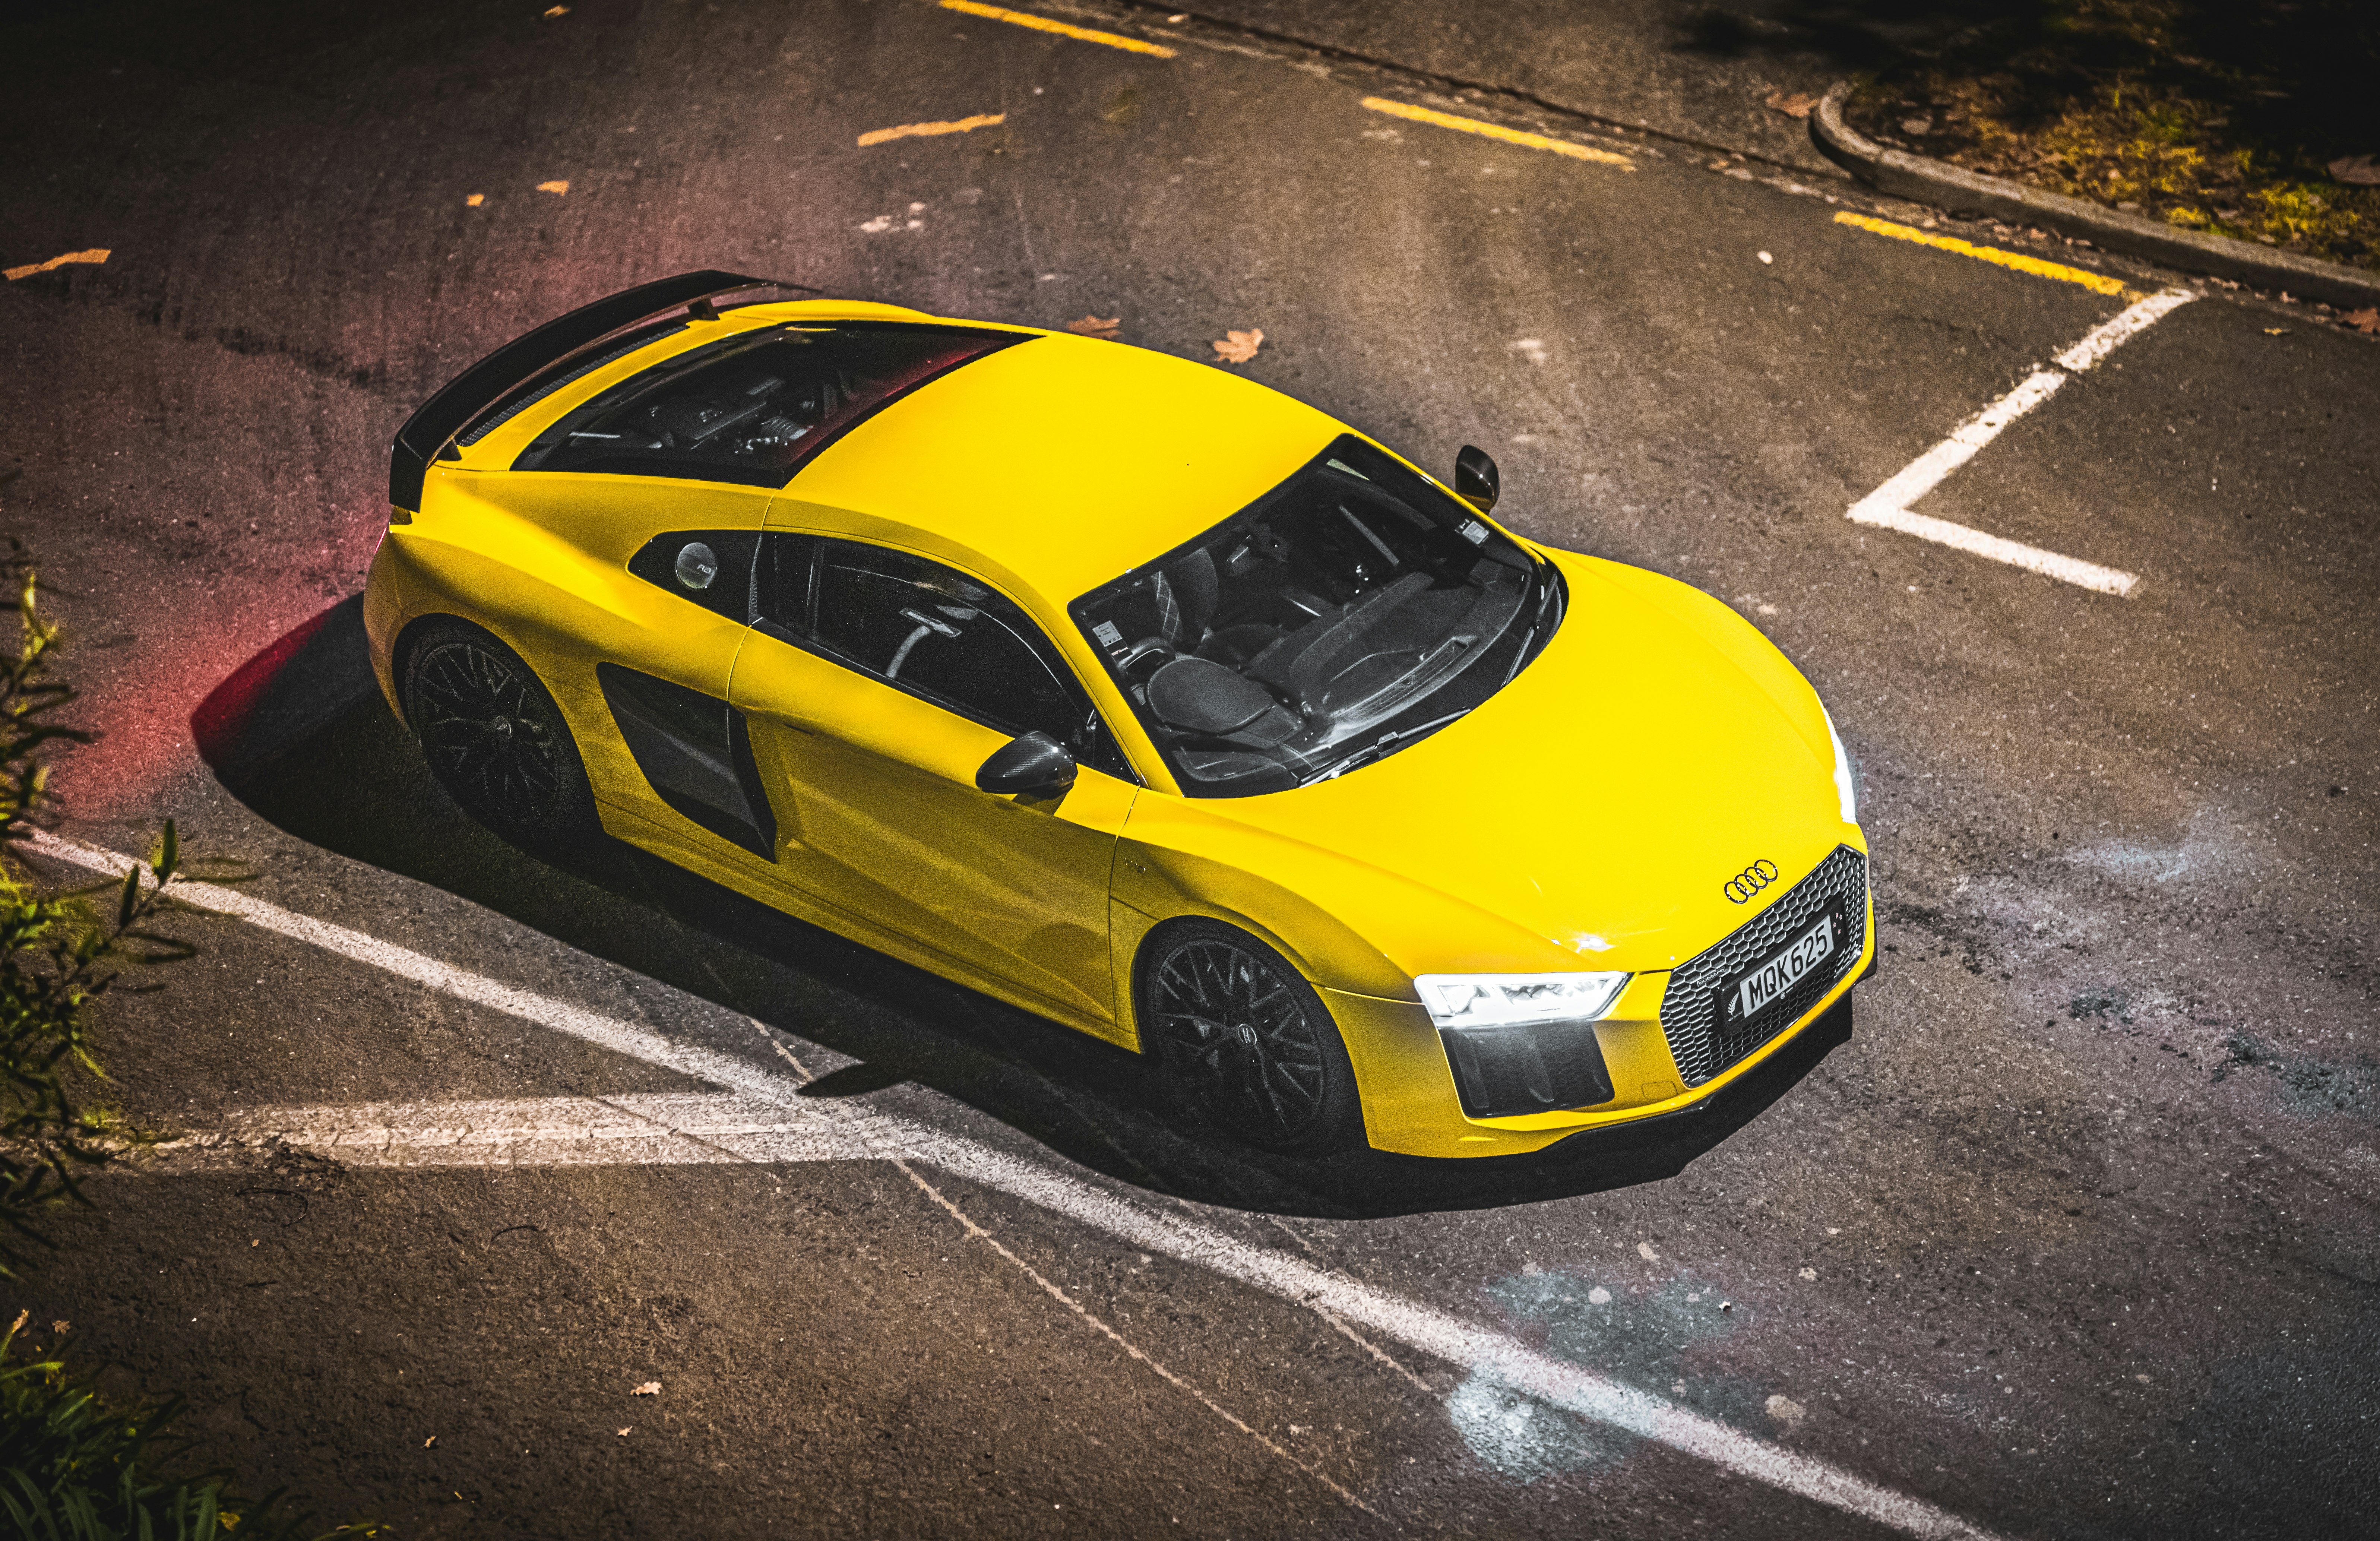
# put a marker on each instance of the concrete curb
(1922, 180)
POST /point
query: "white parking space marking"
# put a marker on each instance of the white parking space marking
(641, 1129)
(2105, 338)
(1887, 506)
(1071, 1304)
(1423, 1329)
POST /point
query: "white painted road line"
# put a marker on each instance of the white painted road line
(1556, 1382)
(1887, 506)
(639, 1129)
(2105, 338)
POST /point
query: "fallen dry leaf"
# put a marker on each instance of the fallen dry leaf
(554, 187)
(623, 1434)
(558, 10)
(2361, 170)
(2366, 319)
(2277, 332)
(60, 1327)
(649, 1389)
(1096, 326)
(474, 201)
(431, 1440)
(1792, 104)
(1238, 348)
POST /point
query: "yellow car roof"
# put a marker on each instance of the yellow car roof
(1066, 460)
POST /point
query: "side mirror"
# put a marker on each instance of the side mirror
(1035, 764)
(1476, 481)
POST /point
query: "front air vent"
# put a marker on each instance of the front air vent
(1502, 1072)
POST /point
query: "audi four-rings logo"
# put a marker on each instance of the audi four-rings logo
(1751, 881)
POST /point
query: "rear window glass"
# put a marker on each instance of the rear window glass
(752, 409)
(555, 376)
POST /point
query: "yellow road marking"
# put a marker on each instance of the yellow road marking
(1043, 24)
(2097, 282)
(910, 130)
(96, 254)
(1493, 131)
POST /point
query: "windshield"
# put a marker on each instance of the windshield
(1345, 614)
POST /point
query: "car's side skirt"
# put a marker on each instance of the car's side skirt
(645, 836)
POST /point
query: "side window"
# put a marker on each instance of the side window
(933, 631)
(711, 567)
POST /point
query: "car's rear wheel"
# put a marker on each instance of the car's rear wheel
(1245, 1041)
(494, 737)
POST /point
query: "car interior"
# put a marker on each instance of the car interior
(1353, 598)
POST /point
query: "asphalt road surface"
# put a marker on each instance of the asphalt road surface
(2074, 1233)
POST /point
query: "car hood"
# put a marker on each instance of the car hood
(1656, 748)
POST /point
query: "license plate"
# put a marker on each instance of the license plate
(1753, 993)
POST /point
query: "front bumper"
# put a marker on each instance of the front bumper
(1412, 1107)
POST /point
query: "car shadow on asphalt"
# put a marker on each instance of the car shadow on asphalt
(301, 735)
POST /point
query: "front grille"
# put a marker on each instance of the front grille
(1690, 1008)
(1505, 1071)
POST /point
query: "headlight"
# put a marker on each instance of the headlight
(1846, 785)
(1510, 999)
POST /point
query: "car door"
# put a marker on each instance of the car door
(877, 682)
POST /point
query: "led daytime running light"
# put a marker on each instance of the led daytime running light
(1513, 999)
(1846, 788)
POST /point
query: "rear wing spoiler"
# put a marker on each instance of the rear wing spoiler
(464, 398)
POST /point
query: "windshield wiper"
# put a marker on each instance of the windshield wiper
(1544, 596)
(1381, 746)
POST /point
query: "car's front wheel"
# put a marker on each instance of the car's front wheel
(1245, 1041)
(494, 737)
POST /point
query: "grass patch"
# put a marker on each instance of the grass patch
(75, 1467)
(2244, 120)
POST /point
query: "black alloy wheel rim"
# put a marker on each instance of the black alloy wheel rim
(1240, 1041)
(489, 738)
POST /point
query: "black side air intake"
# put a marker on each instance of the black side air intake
(697, 753)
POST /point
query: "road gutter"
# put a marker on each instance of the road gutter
(1941, 184)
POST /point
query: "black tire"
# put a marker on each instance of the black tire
(494, 738)
(1245, 1041)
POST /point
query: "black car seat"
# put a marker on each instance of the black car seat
(1185, 593)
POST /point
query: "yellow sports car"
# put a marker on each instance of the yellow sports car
(1131, 692)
